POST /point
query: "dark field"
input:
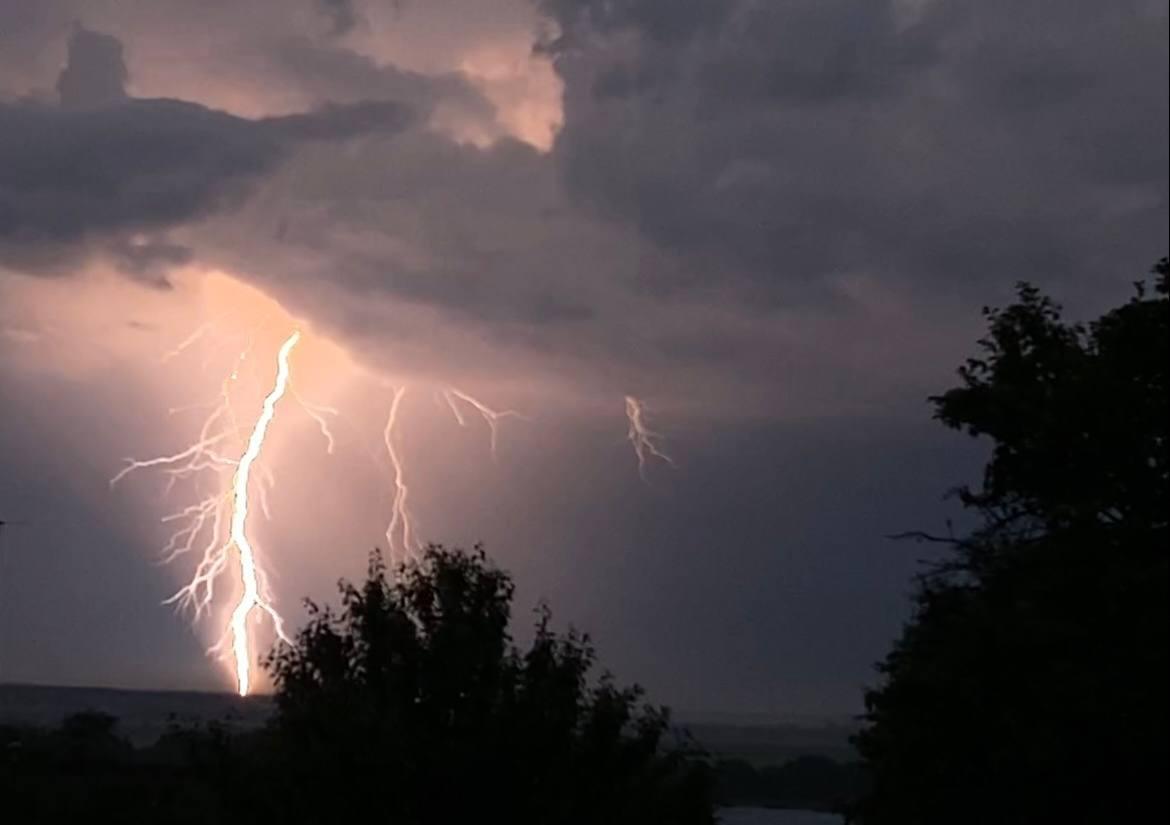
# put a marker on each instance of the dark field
(144, 715)
(764, 762)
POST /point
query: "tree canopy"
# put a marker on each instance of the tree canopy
(1032, 683)
(414, 703)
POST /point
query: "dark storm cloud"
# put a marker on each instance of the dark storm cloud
(341, 14)
(486, 221)
(338, 121)
(935, 141)
(149, 261)
(106, 164)
(332, 74)
(720, 162)
(96, 72)
(146, 163)
(664, 21)
(747, 154)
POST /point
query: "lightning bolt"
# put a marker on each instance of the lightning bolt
(400, 532)
(204, 520)
(189, 341)
(645, 440)
(490, 416)
(317, 412)
(229, 451)
(252, 597)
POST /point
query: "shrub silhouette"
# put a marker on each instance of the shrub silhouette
(1032, 684)
(413, 704)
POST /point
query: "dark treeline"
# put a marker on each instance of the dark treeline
(85, 769)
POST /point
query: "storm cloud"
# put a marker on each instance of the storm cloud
(939, 142)
(103, 164)
(734, 152)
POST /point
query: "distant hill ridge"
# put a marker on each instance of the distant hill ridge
(144, 715)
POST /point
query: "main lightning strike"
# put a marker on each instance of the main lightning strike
(644, 440)
(204, 521)
(252, 597)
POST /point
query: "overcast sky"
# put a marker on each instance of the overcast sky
(774, 223)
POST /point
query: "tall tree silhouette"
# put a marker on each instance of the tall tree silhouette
(1032, 683)
(413, 704)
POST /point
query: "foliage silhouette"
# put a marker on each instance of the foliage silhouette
(413, 704)
(1032, 683)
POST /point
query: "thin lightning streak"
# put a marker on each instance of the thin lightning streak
(195, 454)
(196, 517)
(455, 411)
(400, 527)
(317, 412)
(400, 533)
(492, 417)
(251, 597)
(190, 340)
(266, 481)
(644, 439)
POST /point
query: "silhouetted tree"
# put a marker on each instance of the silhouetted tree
(413, 704)
(1032, 684)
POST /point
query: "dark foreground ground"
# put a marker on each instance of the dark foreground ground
(760, 763)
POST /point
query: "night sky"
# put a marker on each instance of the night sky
(774, 223)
